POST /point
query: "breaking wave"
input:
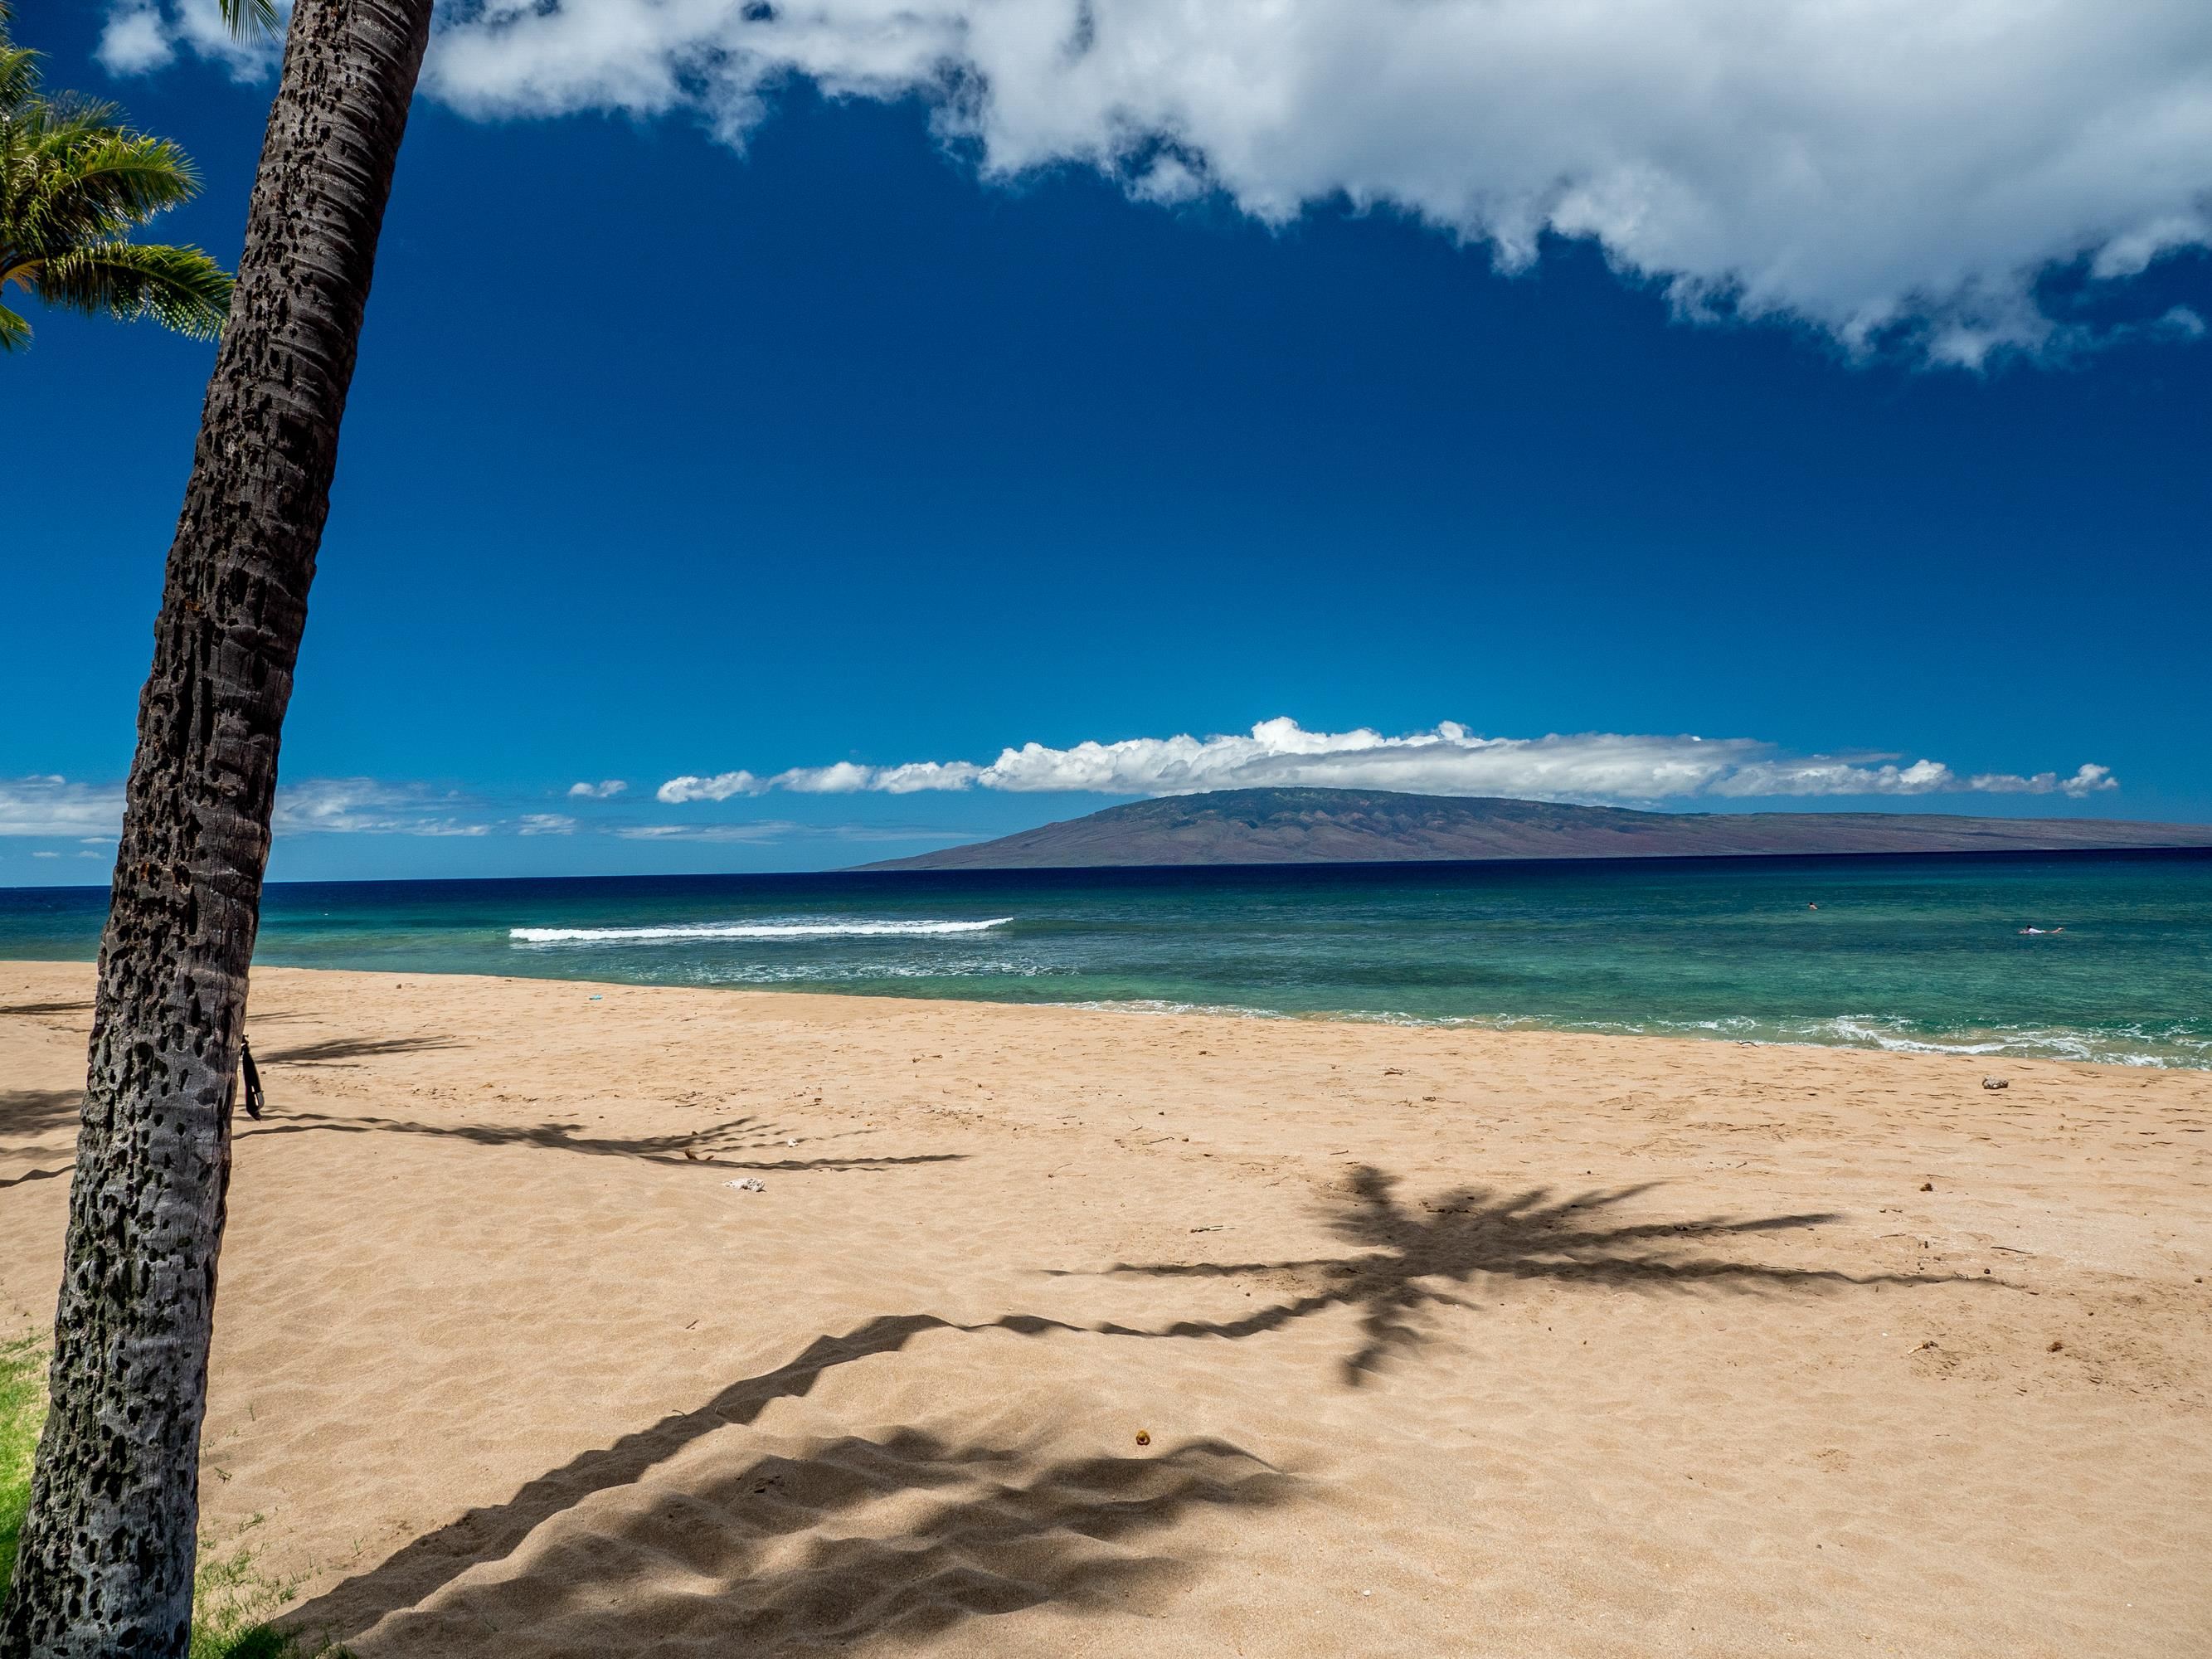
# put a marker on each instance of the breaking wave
(748, 930)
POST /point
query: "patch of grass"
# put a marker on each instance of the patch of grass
(22, 1413)
(232, 1600)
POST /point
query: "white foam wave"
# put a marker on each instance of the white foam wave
(2158, 1050)
(861, 975)
(748, 930)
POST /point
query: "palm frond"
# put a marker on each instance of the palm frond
(74, 181)
(73, 112)
(93, 183)
(179, 288)
(249, 20)
(19, 75)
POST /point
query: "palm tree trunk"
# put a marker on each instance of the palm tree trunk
(107, 1552)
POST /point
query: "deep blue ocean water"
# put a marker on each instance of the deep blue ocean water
(1922, 952)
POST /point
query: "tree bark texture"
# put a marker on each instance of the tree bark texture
(108, 1550)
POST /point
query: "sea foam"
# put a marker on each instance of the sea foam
(751, 930)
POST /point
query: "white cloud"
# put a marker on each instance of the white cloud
(135, 41)
(2086, 780)
(1892, 172)
(1448, 761)
(546, 823)
(1881, 168)
(844, 778)
(764, 829)
(141, 36)
(48, 805)
(606, 790)
(721, 786)
(364, 806)
(200, 25)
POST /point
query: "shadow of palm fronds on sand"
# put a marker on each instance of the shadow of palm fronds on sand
(1407, 1254)
(34, 1111)
(775, 1552)
(351, 1051)
(773, 1555)
(717, 1144)
(30, 1112)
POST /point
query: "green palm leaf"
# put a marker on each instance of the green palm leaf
(179, 288)
(99, 182)
(249, 18)
(75, 182)
(18, 73)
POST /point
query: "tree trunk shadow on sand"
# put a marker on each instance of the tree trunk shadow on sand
(709, 1557)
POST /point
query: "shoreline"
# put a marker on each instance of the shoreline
(1442, 1340)
(1726, 1030)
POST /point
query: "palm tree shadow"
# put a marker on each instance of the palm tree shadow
(32, 1113)
(715, 1144)
(350, 1051)
(703, 1557)
(1014, 1536)
(35, 1111)
(1411, 1254)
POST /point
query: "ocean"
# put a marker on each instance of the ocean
(2097, 957)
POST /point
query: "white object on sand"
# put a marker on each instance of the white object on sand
(749, 1184)
(1997, 1083)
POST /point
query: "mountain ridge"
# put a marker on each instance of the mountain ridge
(1365, 826)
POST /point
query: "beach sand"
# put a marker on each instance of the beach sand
(1078, 1332)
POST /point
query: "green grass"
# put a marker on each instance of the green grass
(232, 1599)
(22, 1409)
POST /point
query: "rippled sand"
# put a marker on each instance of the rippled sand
(1070, 1332)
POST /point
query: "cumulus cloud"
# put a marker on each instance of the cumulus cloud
(723, 785)
(47, 804)
(135, 41)
(606, 790)
(1893, 172)
(141, 36)
(1451, 759)
(1876, 168)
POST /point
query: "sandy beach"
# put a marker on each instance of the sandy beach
(1074, 1331)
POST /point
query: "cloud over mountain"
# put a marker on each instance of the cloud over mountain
(1449, 760)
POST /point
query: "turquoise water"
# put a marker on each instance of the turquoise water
(1901, 953)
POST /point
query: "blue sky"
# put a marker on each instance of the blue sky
(670, 458)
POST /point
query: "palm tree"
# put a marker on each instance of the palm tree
(73, 181)
(107, 1555)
